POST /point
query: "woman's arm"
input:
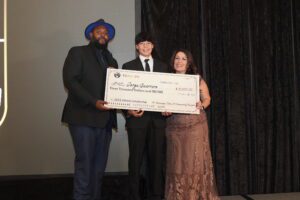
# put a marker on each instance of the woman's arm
(204, 94)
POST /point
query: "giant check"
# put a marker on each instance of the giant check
(152, 91)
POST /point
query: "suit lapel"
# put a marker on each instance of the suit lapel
(155, 66)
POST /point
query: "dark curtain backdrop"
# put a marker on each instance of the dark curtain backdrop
(249, 53)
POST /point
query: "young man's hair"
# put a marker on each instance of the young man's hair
(142, 37)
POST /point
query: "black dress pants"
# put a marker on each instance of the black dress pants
(152, 140)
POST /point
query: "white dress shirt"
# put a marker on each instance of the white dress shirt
(150, 62)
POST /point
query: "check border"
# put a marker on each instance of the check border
(130, 105)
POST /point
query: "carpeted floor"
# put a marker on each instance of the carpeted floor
(115, 187)
(277, 196)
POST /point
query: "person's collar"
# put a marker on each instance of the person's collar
(142, 58)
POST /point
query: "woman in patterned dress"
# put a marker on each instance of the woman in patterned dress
(189, 174)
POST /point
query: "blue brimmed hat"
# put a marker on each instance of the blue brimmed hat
(100, 22)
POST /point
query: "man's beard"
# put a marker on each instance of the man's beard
(98, 45)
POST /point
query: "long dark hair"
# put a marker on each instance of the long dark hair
(191, 69)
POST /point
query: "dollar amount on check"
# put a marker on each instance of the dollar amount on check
(152, 91)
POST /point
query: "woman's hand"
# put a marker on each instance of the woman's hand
(199, 105)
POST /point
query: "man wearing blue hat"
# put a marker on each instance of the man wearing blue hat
(90, 122)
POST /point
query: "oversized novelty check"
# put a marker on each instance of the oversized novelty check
(152, 91)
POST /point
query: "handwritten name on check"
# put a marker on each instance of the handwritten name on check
(152, 91)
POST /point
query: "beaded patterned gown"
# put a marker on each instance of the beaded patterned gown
(190, 173)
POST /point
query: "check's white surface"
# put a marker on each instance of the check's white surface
(152, 91)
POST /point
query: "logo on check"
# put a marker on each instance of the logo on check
(117, 75)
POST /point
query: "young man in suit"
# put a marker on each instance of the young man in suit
(146, 130)
(90, 122)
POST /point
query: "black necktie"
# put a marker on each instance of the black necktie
(147, 68)
(103, 58)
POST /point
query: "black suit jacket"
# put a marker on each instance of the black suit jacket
(84, 78)
(156, 117)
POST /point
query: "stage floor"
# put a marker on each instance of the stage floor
(277, 196)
